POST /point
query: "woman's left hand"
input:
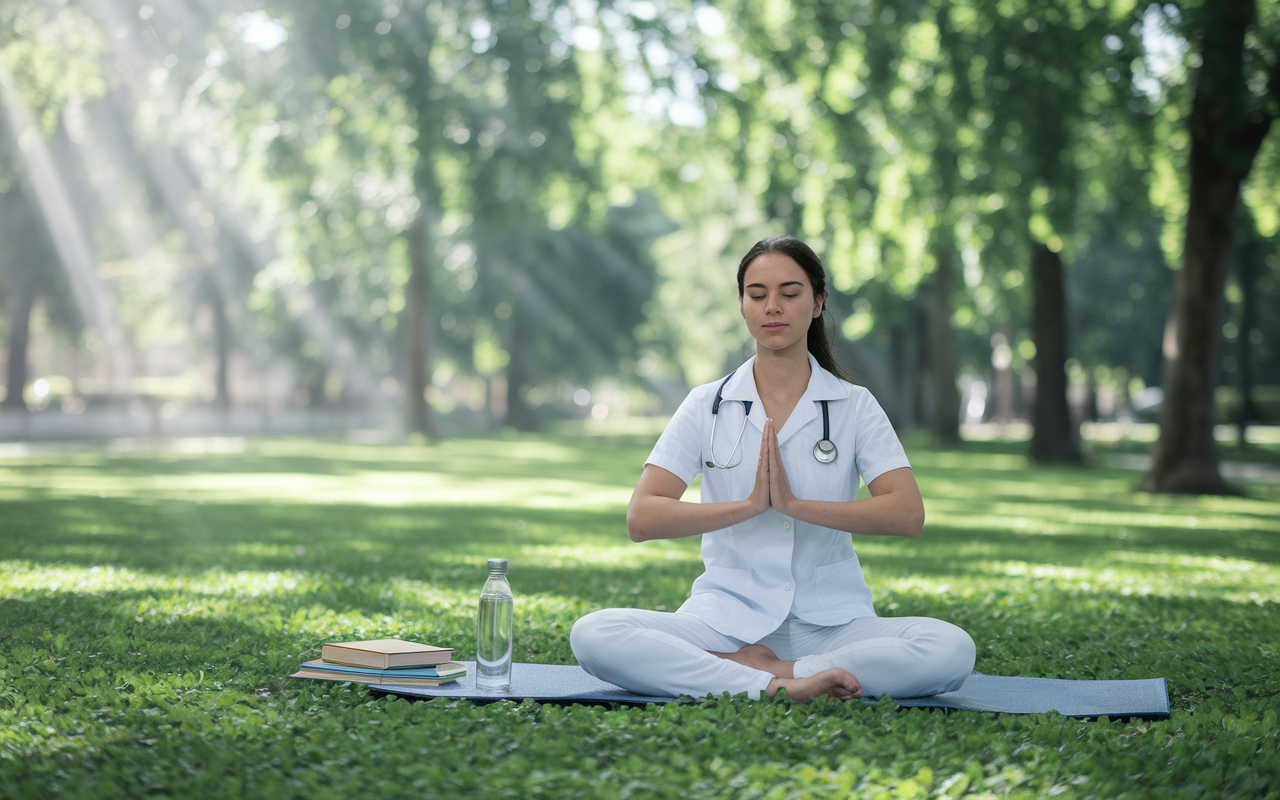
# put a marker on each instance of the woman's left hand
(780, 496)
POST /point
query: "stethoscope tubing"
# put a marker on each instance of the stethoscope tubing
(824, 451)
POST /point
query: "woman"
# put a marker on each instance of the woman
(783, 603)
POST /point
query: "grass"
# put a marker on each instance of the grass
(153, 600)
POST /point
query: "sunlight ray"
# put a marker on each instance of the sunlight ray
(65, 226)
(185, 174)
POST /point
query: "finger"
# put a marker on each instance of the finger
(767, 445)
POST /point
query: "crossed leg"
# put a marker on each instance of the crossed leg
(902, 656)
(835, 682)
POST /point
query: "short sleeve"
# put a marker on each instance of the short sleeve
(878, 448)
(679, 448)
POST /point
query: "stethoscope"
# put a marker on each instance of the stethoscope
(824, 450)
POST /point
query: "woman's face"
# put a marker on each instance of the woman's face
(778, 303)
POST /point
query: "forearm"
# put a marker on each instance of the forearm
(656, 517)
(885, 515)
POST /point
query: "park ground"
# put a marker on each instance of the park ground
(154, 597)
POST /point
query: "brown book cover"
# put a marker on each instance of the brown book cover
(385, 654)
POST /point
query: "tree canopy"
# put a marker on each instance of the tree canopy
(479, 209)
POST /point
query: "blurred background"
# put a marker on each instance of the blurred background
(429, 217)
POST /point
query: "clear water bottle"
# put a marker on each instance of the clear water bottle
(493, 631)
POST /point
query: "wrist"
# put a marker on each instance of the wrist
(788, 506)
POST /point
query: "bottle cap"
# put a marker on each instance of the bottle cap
(499, 564)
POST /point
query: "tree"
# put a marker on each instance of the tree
(29, 267)
(35, 86)
(937, 129)
(1053, 76)
(1237, 88)
(492, 95)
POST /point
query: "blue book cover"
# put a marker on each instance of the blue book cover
(451, 668)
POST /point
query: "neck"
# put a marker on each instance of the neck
(786, 368)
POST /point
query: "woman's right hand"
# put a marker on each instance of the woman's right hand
(760, 494)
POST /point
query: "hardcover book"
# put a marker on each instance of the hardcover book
(385, 654)
(382, 677)
(449, 669)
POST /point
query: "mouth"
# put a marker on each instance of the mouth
(774, 326)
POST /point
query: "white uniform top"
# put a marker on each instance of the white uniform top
(760, 571)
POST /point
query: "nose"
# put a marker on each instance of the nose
(772, 304)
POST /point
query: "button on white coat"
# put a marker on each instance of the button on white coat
(786, 587)
(786, 526)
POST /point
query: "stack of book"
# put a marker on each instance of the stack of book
(384, 661)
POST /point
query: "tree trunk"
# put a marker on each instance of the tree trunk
(902, 374)
(1225, 138)
(1056, 436)
(942, 345)
(519, 415)
(418, 331)
(1249, 257)
(24, 300)
(222, 348)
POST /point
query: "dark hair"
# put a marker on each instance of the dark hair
(803, 255)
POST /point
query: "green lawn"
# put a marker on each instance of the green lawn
(153, 601)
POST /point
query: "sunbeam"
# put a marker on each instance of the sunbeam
(187, 178)
(65, 226)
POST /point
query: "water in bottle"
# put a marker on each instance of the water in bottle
(493, 631)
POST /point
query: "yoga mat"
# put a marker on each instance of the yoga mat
(558, 683)
(1147, 698)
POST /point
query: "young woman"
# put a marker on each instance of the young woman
(783, 602)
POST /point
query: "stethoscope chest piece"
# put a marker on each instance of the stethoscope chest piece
(825, 451)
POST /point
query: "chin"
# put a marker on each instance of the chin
(772, 343)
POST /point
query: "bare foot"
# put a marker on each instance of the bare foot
(835, 682)
(757, 656)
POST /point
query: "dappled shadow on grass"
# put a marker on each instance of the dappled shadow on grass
(610, 461)
(1094, 491)
(1111, 510)
(447, 544)
(1205, 646)
(1253, 453)
(958, 550)
(178, 535)
(135, 584)
(149, 631)
(266, 622)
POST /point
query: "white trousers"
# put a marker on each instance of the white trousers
(660, 653)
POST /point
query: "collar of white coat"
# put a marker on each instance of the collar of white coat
(822, 386)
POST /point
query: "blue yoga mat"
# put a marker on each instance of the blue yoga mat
(556, 683)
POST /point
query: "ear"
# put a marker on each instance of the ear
(742, 309)
(817, 307)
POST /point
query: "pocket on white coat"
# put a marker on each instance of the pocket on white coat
(838, 583)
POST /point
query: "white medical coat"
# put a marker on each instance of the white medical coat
(760, 571)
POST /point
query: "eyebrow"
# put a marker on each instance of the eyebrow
(787, 283)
